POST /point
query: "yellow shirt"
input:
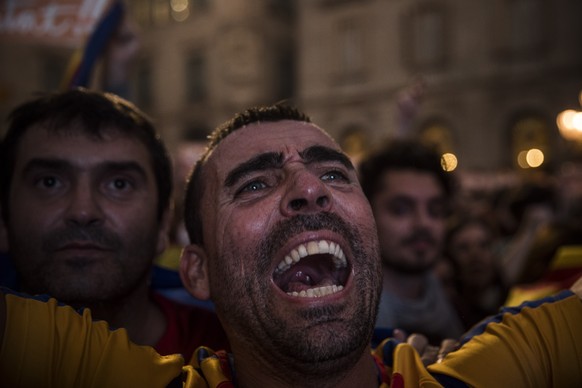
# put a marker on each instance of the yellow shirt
(539, 347)
(46, 345)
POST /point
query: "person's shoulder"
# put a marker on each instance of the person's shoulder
(536, 341)
(22, 297)
(39, 297)
(513, 310)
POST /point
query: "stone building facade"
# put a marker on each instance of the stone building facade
(484, 79)
(203, 60)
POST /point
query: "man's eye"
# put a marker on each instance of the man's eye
(120, 184)
(333, 176)
(253, 186)
(48, 182)
(399, 208)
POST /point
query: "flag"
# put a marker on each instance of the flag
(84, 60)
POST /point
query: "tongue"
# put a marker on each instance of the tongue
(302, 282)
(311, 272)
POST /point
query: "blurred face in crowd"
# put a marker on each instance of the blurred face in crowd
(471, 250)
(289, 230)
(410, 210)
(83, 222)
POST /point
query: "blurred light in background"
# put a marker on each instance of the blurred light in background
(531, 158)
(180, 10)
(570, 123)
(534, 157)
(449, 162)
(521, 162)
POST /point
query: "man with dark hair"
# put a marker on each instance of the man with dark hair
(410, 195)
(86, 189)
(288, 251)
(284, 221)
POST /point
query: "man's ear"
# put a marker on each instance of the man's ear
(194, 271)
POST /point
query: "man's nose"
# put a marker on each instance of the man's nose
(305, 193)
(423, 217)
(84, 207)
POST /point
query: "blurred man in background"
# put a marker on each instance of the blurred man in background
(410, 195)
(86, 189)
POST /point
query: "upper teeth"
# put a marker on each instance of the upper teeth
(313, 248)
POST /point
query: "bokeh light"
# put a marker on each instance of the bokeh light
(570, 124)
(449, 162)
(180, 10)
(531, 158)
(534, 157)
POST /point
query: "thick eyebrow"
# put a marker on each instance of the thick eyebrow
(64, 165)
(269, 160)
(124, 166)
(52, 164)
(261, 162)
(325, 154)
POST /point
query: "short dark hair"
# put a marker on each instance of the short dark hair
(402, 154)
(195, 188)
(93, 113)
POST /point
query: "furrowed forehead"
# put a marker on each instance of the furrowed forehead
(286, 137)
(263, 137)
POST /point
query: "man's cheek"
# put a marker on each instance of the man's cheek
(248, 225)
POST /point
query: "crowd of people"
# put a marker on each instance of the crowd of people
(452, 257)
(513, 244)
(321, 272)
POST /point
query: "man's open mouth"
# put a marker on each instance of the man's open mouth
(312, 270)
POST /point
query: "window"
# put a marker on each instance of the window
(287, 75)
(53, 69)
(143, 85)
(525, 32)
(140, 10)
(351, 42)
(438, 133)
(530, 141)
(425, 45)
(162, 12)
(196, 77)
(354, 141)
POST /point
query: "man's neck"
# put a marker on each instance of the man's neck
(253, 371)
(137, 313)
(404, 285)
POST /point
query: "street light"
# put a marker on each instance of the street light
(570, 123)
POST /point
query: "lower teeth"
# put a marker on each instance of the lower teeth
(317, 292)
